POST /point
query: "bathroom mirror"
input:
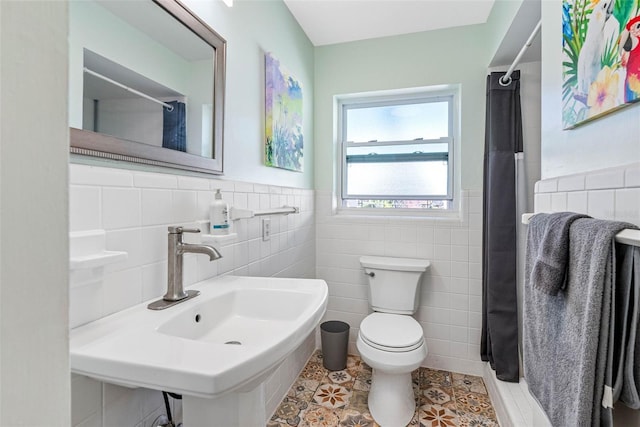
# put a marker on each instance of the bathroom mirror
(146, 84)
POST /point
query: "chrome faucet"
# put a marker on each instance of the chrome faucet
(176, 248)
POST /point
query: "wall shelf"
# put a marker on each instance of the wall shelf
(219, 239)
(97, 260)
(214, 239)
(87, 250)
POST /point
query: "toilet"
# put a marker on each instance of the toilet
(390, 340)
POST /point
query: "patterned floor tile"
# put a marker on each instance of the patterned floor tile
(438, 395)
(434, 376)
(288, 413)
(320, 416)
(322, 398)
(475, 403)
(303, 389)
(474, 420)
(417, 393)
(316, 357)
(331, 396)
(354, 363)
(362, 381)
(358, 401)
(341, 377)
(313, 371)
(354, 418)
(415, 421)
(468, 383)
(437, 416)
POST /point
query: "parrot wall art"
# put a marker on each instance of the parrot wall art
(601, 58)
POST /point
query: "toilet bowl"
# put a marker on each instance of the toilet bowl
(393, 345)
(390, 340)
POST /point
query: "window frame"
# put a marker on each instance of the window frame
(425, 95)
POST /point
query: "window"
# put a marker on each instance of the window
(397, 152)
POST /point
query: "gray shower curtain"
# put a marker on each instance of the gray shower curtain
(174, 126)
(503, 138)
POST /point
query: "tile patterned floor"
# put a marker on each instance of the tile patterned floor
(321, 398)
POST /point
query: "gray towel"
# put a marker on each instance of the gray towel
(620, 358)
(630, 357)
(548, 272)
(564, 362)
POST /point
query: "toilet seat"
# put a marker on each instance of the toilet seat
(391, 332)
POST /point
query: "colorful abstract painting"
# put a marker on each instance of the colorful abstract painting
(283, 96)
(601, 58)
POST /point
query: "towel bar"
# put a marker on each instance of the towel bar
(627, 236)
(237, 213)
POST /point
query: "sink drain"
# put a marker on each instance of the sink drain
(234, 342)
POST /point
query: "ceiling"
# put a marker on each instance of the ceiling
(339, 21)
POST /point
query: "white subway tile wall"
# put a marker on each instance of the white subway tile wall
(612, 193)
(135, 209)
(451, 292)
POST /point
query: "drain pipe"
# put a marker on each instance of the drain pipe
(167, 421)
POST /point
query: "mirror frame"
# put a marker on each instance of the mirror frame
(94, 144)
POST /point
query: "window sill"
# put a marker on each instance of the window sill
(364, 214)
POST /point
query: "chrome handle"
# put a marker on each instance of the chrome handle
(190, 230)
(180, 230)
(370, 274)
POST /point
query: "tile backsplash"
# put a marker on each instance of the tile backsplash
(135, 208)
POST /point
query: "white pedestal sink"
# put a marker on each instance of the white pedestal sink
(216, 349)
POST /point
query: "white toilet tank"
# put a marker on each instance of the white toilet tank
(395, 283)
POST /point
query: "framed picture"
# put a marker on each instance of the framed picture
(601, 58)
(284, 140)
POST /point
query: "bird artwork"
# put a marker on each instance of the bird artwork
(630, 59)
(601, 58)
(589, 59)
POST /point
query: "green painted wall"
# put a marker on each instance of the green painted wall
(449, 56)
(251, 28)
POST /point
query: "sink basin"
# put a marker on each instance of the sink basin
(229, 338)
(248, 317)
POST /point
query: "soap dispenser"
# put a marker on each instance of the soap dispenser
(219, 215)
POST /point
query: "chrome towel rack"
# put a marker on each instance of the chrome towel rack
(285, 210)
(237, 213)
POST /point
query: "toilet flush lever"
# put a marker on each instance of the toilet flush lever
(370, 274)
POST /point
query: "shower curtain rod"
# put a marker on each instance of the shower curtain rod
(628, 236)
(506, 79)
(169, 107)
